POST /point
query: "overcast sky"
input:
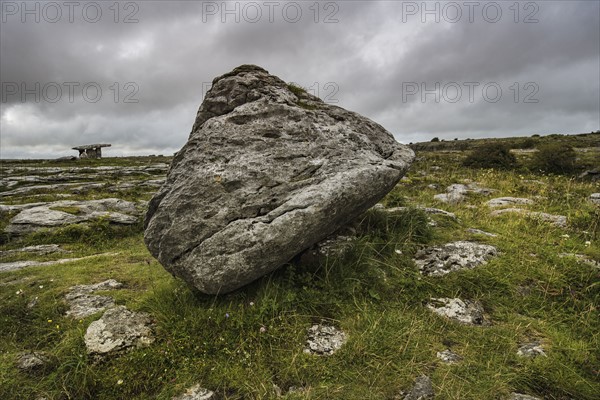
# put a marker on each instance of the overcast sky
(134, 74)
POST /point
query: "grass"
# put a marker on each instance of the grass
(374, 294)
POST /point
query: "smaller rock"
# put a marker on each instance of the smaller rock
(508, 201)
(450, 198)
(423, 389)
(118, 329)
(324, 340)
(531, 350)
(33, 302)
(84, 304)
(296, 389)
(41, 249)
(31, 361)
(592, 174)
(480, 232)
(457, 192)
(428, 210)
(455, 256)
(196, 392)
(519, 396)
(557, 220)
(16, 265)
(582, 258)
(448, 357)
(466, 312)
(333, 246)
(595, 198)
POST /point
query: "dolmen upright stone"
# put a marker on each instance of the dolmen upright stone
(268, 171)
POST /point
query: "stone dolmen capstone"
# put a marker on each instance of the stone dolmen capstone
(268, 171)
(91, 150)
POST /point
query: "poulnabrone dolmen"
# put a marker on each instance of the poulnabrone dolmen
(268, 170)
(91, 150)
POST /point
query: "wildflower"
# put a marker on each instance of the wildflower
(398, 251)
(49, 321)
(41, 286)
(565, 236)
(251, 304)
(263, 329)
(120, 382)
(588, 243)
(18, 292)
(226, 315)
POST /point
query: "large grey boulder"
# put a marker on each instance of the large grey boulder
(268, 171)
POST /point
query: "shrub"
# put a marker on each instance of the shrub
(527, 143)
(491, 155)
(555, 158)
(435, 139)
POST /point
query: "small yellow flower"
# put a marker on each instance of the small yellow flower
(49, 321)
(120, 382)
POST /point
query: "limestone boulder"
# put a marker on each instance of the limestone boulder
(268, 170)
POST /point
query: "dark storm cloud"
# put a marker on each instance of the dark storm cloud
(364, 61)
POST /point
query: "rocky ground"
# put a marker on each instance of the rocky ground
(460, 284)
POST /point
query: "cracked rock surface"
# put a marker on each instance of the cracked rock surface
(448, 357)
(324, 340)
(464, 311)
(118, 329)
(52, 215)
(519, 396)
(267, 172)
(31, 361)
(83, 303)
(422, 390)
(531, 350)
(196, 392)
(508, 201)
(441, 260)
(557, 220)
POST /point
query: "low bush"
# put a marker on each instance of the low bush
(491, 155)
(555, 158)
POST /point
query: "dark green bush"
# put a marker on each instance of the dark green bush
(491, 155)
(435, 139)
(527, 143)
(555, 158)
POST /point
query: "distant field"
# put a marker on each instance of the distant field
(542, 287)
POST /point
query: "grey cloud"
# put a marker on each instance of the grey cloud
(171, 53)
